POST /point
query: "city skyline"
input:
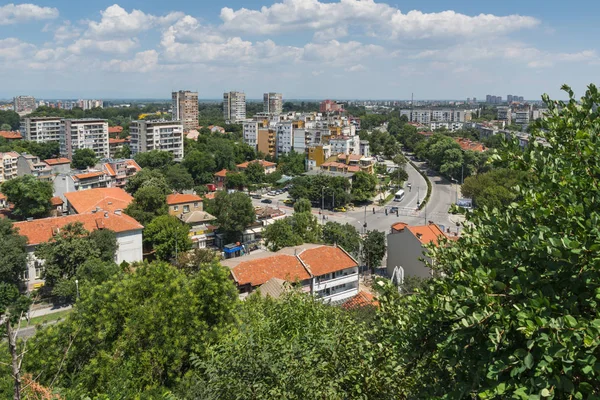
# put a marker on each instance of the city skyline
(305, 49)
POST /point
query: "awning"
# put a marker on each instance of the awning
(230, 250)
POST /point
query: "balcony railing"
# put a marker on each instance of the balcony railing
(326, 284)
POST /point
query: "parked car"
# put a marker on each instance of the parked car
(340, 209)
(267, 201)
(278, 192)
(271, 193)
(256, 196)
(288, 201)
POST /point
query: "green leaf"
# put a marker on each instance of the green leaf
(528, 360)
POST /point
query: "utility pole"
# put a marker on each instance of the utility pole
(323, 198)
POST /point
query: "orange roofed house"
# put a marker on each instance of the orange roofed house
(268, 166)
(406, 246)
(327, 272)
(127, 230)
(101, 199)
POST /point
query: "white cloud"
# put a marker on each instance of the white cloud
(376, 19)
(120, 46)
(340, 52)
(330, 33)
(15, 49)
(66, 32)
(14, 13)
(142, 62)
(356, 68)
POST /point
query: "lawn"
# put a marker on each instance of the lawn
(49, 317)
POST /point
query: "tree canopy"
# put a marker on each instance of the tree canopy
(234, 212)
(29, 195)
(363, 186)
(148, 202)
(83, 159)
(167, 235)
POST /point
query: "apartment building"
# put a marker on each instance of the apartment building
(28, 164)
(345, 145)
(185, 108)
(451, 126)
(8, 167)
(505, 114)
(437, 115)
(273, 103)
(157, 135)
(43, 129)
(87, 104)
(234, 106)
(285, 137)
(24, 104)
(521, 117)
(87, 133)
(330, 106)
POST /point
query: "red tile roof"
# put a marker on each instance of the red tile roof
(56, 201)
(362, 299)
(353, 168)
(11, 135)
(265, 164)
(399, 226)
(108, 199)
(257, 272)
(326, 259)
(210, 196)
(222, 173)
(88, 175)
(41, 230)
(118, 141)
(134, 164)
(115, 129)
(467, 144)
(109, 169)
(182, 198)
(57, 161)
(2, 196)
(427, 234)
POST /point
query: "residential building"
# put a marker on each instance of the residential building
(23, 105)
(116, 145)
(120, 171)
(406, 248)
(91, 180)
(115, 131)
(317, 155)
(285, 137)
(266, 140)
(157, 135)
(43, 130)
(89, 104)
(364, 148)
(220, 178)
(330, 106)
(522, 116)
(59, 165)
(101, 199)
(327, 272)
(88, 133)
(364, 164)
(451, 126)
(539, 113)
(505, 114)
(345, 144)
(8, 168)
(183, 203)
(202, 231)
(423, 116)
(273, 103)
(11, 135)
(128, 232)
(234, 106)
(467, 144)
(28, 164)
(268, 166)
(185, 108)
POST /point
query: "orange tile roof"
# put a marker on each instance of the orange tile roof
(427, 234)
(210, 196)
(399, 226)
(467, 144)
(265, 164)
(108, 199)
(88, 175)
(109, 169)
(2, 196)
(115, 129)
(41, 230)
(362, 299)
(133, 163)
(222, 173)
(182, 198)
(257, 272)
(117, 141)
(353, 168)
(326, 259)
(11, 135)
(57, 161)
(56, 201)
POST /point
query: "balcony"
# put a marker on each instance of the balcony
(330, 283)
(340, 296)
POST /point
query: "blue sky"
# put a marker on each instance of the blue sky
(362, 49)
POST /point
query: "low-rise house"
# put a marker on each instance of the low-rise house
(115, 130)
(57, 206)
(92, 180)
(101, 199)
(327, 272)
(220, 178)
(183, 203)
(11, 135)
(202, 232)
(268, 166)
(59, 165)
(28, 164)
(127, 230)
(406, 248)
(120, 171)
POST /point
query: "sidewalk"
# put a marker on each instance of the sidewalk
(47, 310)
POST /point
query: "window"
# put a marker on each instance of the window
(176, 208)
(39, 269)
(196, 205)
(186, 209)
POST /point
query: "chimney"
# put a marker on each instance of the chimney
(117, 212)
(419, 235)
(29, 219)
(110, 203)
(105, 214)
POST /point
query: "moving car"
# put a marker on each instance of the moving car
(288, 201)
(267, 201)
(340, 209)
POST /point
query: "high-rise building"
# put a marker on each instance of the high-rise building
(86, 133)
(509, 98)
(185, 108)
(273, 103)
(157, 135)
(42, 129)
(84, 104)
(330, 106)
(24, 104)
(234, 106)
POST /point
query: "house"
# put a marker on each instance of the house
(183, 203)
(127, 230)
(59, 165)
(327, 272)
(406, 248)
(28, 164)
(116, 144)
(364, 164)
(360, 301)
(202, 232)
(11, 135)
(100, 199)
(220, 178)
(92, 180)
(268, 166)
(57, 206)
(114, 131)
(3, 201)
(120, 171)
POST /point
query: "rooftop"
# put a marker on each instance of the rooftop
(115, 129)
(57, 161)
(362, 299)
(424, 233)
(88, 175)
(107, 199)
(42, 230)
(222, 173)
(11, 135)
(178, 198)
(265, 164)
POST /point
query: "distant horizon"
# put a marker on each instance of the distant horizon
(251, 100)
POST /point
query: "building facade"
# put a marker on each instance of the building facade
(86, 133)
(234, 106)
(273, 103)
(185, 108)
(24, 104)
(43, 129)
(8, 167)
(157, 135)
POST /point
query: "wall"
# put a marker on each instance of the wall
(405, 250)
(130, 246)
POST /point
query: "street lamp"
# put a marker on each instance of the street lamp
(77, 287)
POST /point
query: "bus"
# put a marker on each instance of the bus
(399, 195)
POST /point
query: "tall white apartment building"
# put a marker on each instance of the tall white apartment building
(185, 108)
(157, 135)
(505, 114)
(273, 103)
(24, 104)
(234, 106)
(441, 115)
(521, 117)
(345, 145)
(285, 137)
(86, 104)
(43, 129)
(87, 133)
(250, 132)
(8, 166)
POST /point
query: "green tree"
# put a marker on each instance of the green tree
(83, 159)
(167, 235)
(373, 249)
(133, 336)
(363, 186)
(29, 195)
(236, 180)
(234, 213)
(496, 188)
(148, 203)
(13, 257)
(346, 236)
(124, 152)
(255, 172)
(147, 177)
(292, 164)
(302, 205)
(281, 234)
(5, 127)
(201, 165)
(105, 241)
(154, 159)
(178, 178)
(10, 118)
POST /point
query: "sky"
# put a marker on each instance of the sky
(305, 49)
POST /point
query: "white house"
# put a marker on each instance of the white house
(127, 229)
